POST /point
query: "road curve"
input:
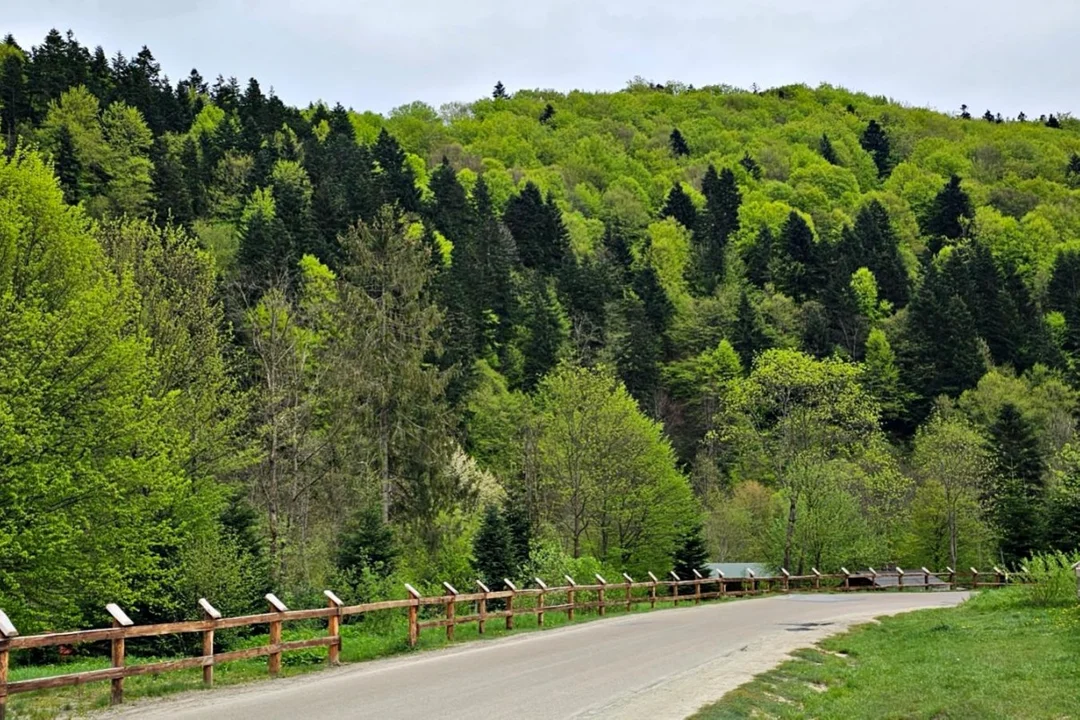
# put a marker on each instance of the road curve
(663, 664)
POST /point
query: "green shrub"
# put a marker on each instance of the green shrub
(1053, 580)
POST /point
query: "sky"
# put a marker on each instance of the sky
(1004, 55)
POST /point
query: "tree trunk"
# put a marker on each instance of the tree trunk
(790, 538)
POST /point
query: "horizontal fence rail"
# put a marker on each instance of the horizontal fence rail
(515, 601)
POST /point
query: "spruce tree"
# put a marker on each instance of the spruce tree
(964, 114)
(1020, 490)
(516, 512)
(988, 116)
(1072, 172)
(796, 271)
(1063, 295)
(546, 330)
(715, 225)
(396, 180)
(691, 553)
(678, 144)
(876, 142)
(827, 151)
(679, 206)
(367, 544)
(751, 166)
(539, 233)
(945, 220)
(748, 336)
(68, 166)
(878, 248)
(548, 114)
(493, 550)
(1053, 123)
(638, 349)
(499, 93)
(758, 258)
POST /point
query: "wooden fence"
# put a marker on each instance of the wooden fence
(540, 600)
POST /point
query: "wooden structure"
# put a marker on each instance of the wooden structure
(516, 601)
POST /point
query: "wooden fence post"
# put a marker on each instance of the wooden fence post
(1002, 576)
(721, 583)
(274, 662)
(211, 615)
(414, 615)
(451, 610)
(817, 578)
(652, 590)
(675, 588)
(974, 579)
(786, 582)
(600, 594)
(570, 597)
(7, 631)
(629, 592)
(925, 578)
(873, 579)
(510, 604)
(333, 627)
(753, 581)
(119, 620)
(899, 579)
(847, 578)
(482, 607)
(697, 586)
(952, 578)
(540, 602)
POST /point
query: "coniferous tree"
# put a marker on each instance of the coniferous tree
(638, 349)
(1063, 295)
(499, 93)
(988, 116)
(1020, 490)
(546, 331)
(678, 144)
(14, 101)
(758, 258)
(964, 114)
(796, 268)
(827, 151)
(367, 544)
(945, 220)
(69, 169)
(516, 512)
(548, 114)
(396, 180)
(715, 225)
(873, 244)
(751, 166)
(541, 238)
(1053, 122)
(679, 206)
(748, 337)
(1072, 172)
(493, 549)
(691, 553)
(876, 142)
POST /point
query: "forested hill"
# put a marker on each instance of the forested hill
(247, 346)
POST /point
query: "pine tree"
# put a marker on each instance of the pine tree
(638, 349)
(679, 206)
(945, 219)
(827, 151)
(876, 142)
(1072, 172)
(748, 337)
(68, 167)
(493, 550)
(715, 225)
(758, 258)
(751, 166)
(548, 114)
(1020, 489)
(396, 180)
(541, 238)
(499, 93)
(1053, 122)
(367, 543)
(546, 332)
(691, 553)
(1063, 295)
(878, 248)
(516, 512)
(678, 144)
(796, 271)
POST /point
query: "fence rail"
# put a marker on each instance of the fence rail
(600, 596)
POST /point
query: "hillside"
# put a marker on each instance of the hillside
(251, 346)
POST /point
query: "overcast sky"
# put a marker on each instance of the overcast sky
(1005, 55)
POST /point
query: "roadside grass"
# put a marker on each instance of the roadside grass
(382, 634)
(995, 656)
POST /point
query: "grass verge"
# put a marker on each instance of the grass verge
(995, 656)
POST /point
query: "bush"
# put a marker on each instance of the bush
(1053, 580)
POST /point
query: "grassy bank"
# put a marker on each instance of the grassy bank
(382, 635)
(996, 656)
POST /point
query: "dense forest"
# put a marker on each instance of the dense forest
(246, 346)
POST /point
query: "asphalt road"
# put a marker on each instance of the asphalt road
(663, 664)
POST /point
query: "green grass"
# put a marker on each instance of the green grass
(382, 635)
(996, 656)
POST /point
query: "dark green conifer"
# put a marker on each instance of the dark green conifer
(541, 238)
(751, 166)
(678, 144)
(367, 544)
(748, 337)
(499, 93)
(758, 258)
(827, 151)
(548, 114)
(68, 166)
(397, 182)
(1072, 172)
(1053, 122)
(876, 142)
(679, 206)
(493, 550)
(1019, 492)
(715, 225)
(945, 220)
(796, 272)
(691, 553)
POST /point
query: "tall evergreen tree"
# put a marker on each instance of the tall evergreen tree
(758, 258)
(797, 263)
(873, 244)
(876, 142)
(396, 180)
(827, 151)
(69, 170)
(499, 93)
(493, 549)
(541, 238)
(945, 218)
(1072, 171)
(691, 553)
(679, 206)
(1019, 498)
(748, 337)
(715, 225)
(1063, 295)
(678, 144)
(548, 115)
(751, 166)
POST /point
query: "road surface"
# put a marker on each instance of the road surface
(664, 664)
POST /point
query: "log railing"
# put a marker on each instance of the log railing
(540, 600)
